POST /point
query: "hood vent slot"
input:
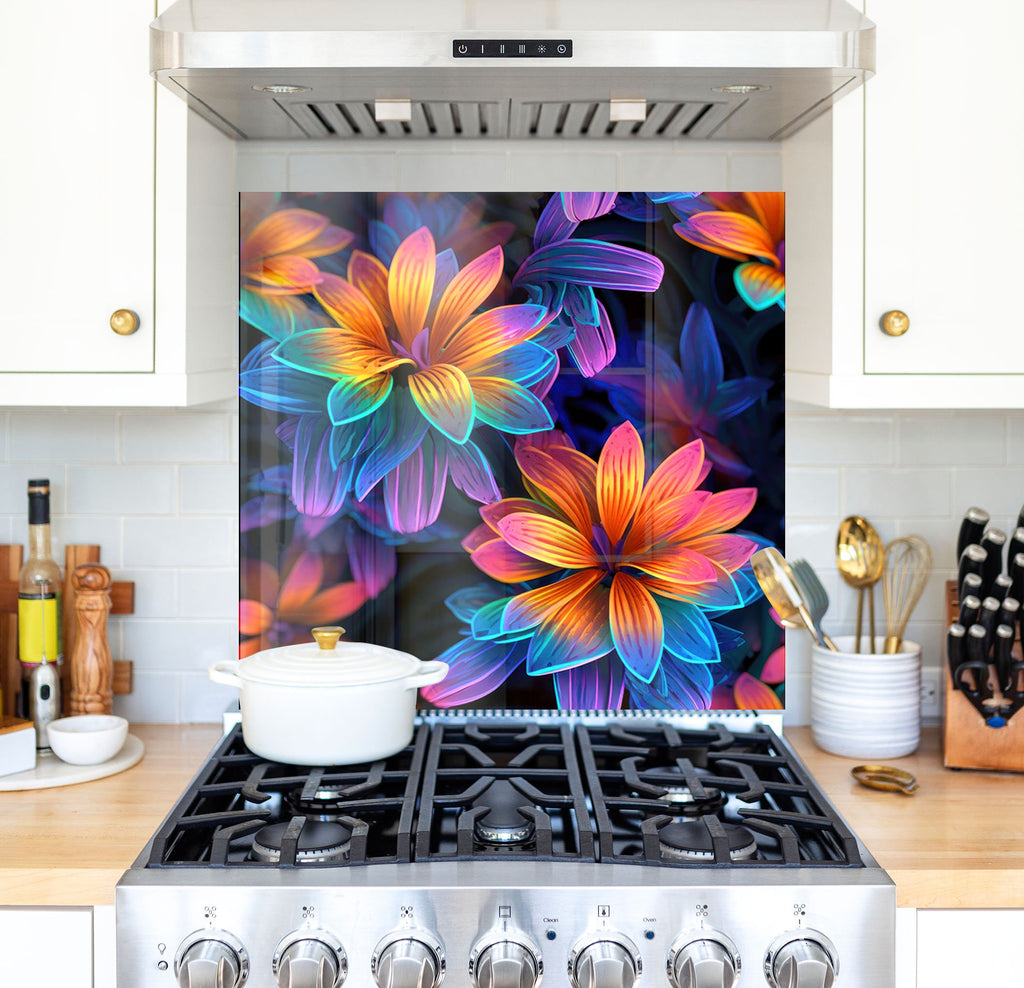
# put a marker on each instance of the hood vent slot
(574, 119)
(579, 119)
(433, 119)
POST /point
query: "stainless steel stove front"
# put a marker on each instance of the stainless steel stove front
(485, 924)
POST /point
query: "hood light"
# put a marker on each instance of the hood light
(280, 90)
(741, 89)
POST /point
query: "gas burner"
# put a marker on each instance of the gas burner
(326, 803)
(502, 824)
(691, 841)
(682, 801)
(319, 843)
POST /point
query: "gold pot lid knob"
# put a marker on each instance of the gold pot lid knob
(124, 322)
(327, 636)
(895, 322)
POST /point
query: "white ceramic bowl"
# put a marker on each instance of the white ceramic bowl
(88, 739)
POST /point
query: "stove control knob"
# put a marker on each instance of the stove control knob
(211, 959)
(413, 959)
(310, 959)
(801, 959)
(705, 960)
(508, 961)
(608, 960)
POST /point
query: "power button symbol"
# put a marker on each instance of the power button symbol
(463, 49)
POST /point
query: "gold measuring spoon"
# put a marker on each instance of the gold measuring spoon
(885, 777)
(860, 559)
(776, 580)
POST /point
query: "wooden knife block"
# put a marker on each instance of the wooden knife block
(122, 596)
(967, 741)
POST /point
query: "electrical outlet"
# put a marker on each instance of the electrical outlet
(931, 694)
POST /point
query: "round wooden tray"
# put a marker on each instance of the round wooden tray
(50, 771)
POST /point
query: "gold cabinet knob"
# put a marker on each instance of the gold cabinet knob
(327, 636)
(895, 323)
(124, 322)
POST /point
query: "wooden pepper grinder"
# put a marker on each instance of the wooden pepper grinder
(92, 670)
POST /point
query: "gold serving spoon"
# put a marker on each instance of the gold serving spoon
(860, 559)
(776, 580)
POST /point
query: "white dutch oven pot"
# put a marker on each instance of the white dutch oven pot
(325, 702)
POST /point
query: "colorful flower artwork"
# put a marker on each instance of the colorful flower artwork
(537, 436)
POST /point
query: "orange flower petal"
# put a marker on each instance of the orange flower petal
(752, 694)
(295, 273)
(443, 394)
(527, 610)
(284, 232)
(300, 584)
(722, 511)
(729, 551)
(367, 274)
(676, 564)
(620, 480)
(548, 540)
(411, 284)
(253, 617)
(467, 291)
(493, 513)
(499, 560)
(661, 521)
(559, 485)
(330, 605)
(638, 628)
(735, 232)
(353, 311)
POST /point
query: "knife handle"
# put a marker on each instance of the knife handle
(1016, 571)
(1009, 612)
(988, 618)
(1001, 587)
(1016, 545)
(972, 560)
(973, 524)
(955, 652)
(1001, 659)
(993, 542)
(970, 607)
(977, 662)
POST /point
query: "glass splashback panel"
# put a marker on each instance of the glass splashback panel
(535, 435)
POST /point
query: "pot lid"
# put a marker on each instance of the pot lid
(328, 662)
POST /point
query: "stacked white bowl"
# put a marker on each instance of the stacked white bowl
(866, 705)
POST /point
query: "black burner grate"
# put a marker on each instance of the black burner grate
(611, 793)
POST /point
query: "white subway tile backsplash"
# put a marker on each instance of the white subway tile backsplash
(260, 170)
(1015, 439)
(203, 701)
(175, 437)
(14, 478)
(440, 172)
(813, 540)
(101, 530)
(340, 172)
(209, 490)
(811, 492)
(77, 437)
(179, 645)
(897, 493)
(209, 593)
(755, 171)
(117, 489)
(1000, 491)
(646, 172)
(179, 541)
(154, 699)
(854, 439)
(156, 592)
(927, 439)
(576, 168)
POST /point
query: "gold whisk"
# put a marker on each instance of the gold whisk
(908, 564)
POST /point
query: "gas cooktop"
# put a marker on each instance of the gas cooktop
(633, 793)
(494, 851)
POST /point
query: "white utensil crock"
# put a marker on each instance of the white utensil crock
(863, 705)
(325, 702)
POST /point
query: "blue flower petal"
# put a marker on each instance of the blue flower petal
(689, 635)
(593, 263)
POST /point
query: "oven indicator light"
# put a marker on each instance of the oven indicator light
(551, 934)
(649, 934)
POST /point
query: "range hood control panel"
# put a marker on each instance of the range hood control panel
(512, 48)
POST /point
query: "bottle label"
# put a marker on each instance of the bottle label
(39, 629)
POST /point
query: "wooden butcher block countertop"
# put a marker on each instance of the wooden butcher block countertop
(959, 842)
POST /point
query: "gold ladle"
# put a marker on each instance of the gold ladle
(860, 559)
(776, 580)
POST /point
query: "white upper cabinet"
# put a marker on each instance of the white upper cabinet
(904, 200)
(99, 218)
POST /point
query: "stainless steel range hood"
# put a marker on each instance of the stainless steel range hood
(494, 69)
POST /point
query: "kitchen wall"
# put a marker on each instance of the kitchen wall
(158, 489)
